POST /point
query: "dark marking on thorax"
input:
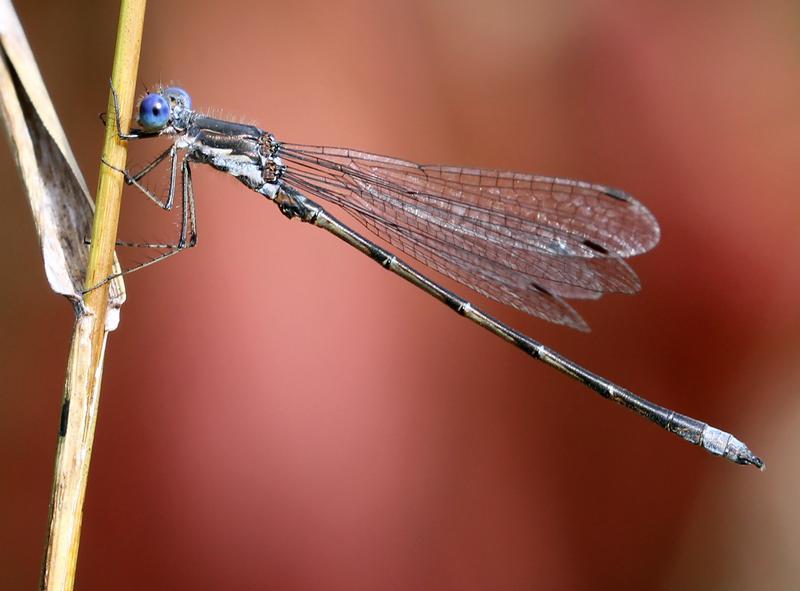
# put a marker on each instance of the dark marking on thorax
(234, 148)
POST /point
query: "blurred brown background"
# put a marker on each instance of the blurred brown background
(279, 413)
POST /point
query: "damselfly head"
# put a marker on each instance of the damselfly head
(178, 98)
(158, 109)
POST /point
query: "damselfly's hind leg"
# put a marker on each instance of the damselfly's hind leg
(188, 233)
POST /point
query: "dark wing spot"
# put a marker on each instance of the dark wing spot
(594, 246)
(617, 194)
(540, 289)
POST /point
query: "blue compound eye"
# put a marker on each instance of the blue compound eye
(178, 96)
(153, 112)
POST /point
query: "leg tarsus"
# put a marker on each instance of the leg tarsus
(133, 134)
(121, 136)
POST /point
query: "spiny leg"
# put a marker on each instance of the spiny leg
(188, 228)
(133, 179)
(133, 134)
(187, 199)
(188, 186)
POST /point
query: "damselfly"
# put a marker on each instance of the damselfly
(524, 240)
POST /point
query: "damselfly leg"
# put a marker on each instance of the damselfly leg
(188, 228)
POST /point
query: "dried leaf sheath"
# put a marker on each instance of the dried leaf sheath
(63, 216)
(57, 193)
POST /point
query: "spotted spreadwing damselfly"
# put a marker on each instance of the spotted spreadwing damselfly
(524, 240)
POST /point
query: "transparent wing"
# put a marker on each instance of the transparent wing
(524, 240)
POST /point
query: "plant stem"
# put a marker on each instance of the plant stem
(85, 364)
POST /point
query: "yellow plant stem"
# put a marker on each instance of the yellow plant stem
(85, 365)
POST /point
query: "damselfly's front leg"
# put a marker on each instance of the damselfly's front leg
(133, 179)
(133, 134)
